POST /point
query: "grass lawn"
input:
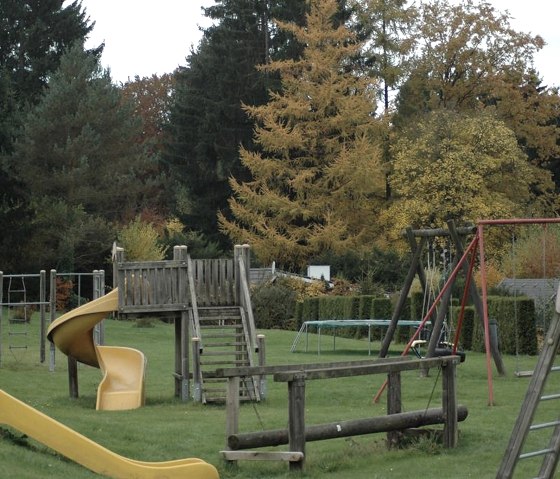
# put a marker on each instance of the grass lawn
(168, 429)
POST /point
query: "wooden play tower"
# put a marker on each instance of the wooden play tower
(210, 304)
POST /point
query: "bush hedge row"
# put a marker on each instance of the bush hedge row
(515, 318)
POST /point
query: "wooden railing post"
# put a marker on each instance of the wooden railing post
(98, 291)
(197, 386)
(449, 404)
(232, 409)
(262, 362)
(394, 406)
(296, 418)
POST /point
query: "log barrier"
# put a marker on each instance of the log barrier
(353, 427)
(298, 433)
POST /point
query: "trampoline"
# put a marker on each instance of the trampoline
(334, 324)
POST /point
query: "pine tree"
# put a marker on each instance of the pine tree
(207, 122)
(33, 36)
(387, 29)
(79, 160)
(317, 176)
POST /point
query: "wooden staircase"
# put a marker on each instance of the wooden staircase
(224, 342)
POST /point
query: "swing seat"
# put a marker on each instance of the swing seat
(443, 349)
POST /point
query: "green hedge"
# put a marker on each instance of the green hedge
(502, 309)
(516, 319)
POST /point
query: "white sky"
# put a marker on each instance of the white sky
(146, 37)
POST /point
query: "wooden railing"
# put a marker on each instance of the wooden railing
(245, 301)
(150, 286)
(160, 286)
(214, 281)
(194, 304)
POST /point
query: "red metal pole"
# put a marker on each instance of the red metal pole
(484, 287)
(464, 299)
(447, 284)
(518, 221)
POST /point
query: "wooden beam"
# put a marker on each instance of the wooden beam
(386, 367)
(288, 456)
(353, 427)
(270, 370)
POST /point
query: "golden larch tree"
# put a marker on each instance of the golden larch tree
(317, 177)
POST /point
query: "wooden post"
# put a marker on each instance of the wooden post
(98, 291)
(73, 378)
(197, 386)
(449, 404)
(262, 362)
(237, 252)
(352, 427)
(178, 362)
(296, 418)
(232, 409)
(118, 257)
(184, 341)
(414, 267)
(394, 406)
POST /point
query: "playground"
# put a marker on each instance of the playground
(167, 428)
(129, 421)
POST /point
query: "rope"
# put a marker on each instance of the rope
(433, 390)
(253, 400)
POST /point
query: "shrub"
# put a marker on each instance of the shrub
(64, 290)
(517, 332)
(140, 241)
(273, 305)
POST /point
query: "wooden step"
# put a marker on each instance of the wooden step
(223, 344)
(221, 353)
(237, 362)
(221, 326)
(229, 334)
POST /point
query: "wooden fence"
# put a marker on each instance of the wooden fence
(298, 433)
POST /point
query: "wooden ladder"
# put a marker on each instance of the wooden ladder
(534, 397)
(225, 343)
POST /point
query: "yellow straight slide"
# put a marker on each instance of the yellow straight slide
(122, 386)
(95, 457)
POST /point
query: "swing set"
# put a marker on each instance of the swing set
(464, 260)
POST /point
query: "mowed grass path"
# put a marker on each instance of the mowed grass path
(168, 429)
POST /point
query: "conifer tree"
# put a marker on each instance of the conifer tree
(82, 169)
(387, 28)
(317, 176)
(33, 36)
(207, 123)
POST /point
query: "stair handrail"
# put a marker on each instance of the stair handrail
(194, 303)
(246, 302)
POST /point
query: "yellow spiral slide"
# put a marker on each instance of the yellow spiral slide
(122, 388)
